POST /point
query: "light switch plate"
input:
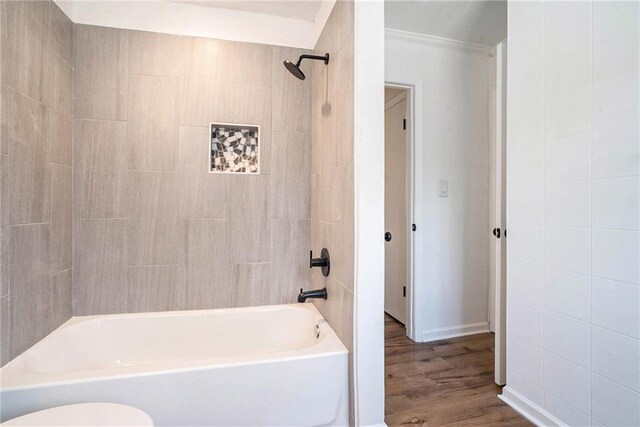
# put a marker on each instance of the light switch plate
(443, 188)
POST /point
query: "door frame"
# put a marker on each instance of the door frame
(412, 90)
(500, 171)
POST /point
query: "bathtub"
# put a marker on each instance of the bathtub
(260, 366)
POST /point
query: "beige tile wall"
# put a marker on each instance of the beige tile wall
(332, 193)
(153, 230)
(36, 83)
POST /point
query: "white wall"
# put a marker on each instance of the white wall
(573, 281)
(368, 156)
(452, 142)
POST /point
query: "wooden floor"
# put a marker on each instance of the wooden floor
(448, 382)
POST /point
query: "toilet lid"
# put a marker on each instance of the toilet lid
(84, 414)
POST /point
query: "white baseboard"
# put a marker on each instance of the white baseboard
(454, 331)
(528, 409)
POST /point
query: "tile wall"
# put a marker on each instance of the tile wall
(332, 192)
(153, 230)
(574, 209)
(36, 84)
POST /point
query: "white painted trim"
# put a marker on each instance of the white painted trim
(414, 88)
(500, 287)
(528, 409)
(411, 92)
(454, 331)
(198, 21)
(437, 41)
(368, 345)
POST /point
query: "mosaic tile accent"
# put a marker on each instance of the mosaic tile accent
(234, 148)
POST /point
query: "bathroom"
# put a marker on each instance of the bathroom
(192, 213)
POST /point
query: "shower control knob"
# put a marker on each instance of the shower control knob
(324, 261)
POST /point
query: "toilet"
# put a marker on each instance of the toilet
(84, 414)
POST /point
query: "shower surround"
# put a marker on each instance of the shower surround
(131, 203)
(36, 84)
(153, 229)
(129, 200)
(332, 171)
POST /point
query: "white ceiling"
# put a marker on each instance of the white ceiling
(474, 21)
(295, 23)
(306, 10)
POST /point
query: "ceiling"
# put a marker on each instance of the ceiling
(306, 10)
(294, 23)
(481, 22)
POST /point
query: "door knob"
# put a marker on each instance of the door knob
(387, 237)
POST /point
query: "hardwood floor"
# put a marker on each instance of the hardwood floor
(447, 382)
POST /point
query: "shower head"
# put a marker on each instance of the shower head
(295, 68)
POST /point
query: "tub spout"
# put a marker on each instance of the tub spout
(317, 293)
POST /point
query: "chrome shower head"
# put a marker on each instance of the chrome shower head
(295, 68)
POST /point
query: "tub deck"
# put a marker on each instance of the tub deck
(242, 366)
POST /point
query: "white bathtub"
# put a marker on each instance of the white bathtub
(260, 366)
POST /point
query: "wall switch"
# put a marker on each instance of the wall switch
(443, 188)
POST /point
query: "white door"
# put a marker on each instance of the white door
(395, 211)
(499, 213)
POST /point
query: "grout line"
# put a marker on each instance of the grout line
(151, 265)
(97, 120)
(29, 223)
(568, 404)
(544, 132)
(614, 74)
(590, 209)
(63, 60)
(99, 217)
(612, 380)
(153, 75)
(574, 272)
(19, 92)
(152, 170)
(613, 331)
(61, 165)
(539, 224)
(545, 139)
(60, 272)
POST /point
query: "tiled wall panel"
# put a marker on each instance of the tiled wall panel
(331, 167)
(101, 79)
(36, 84)
(100, 273)
(174, 235)
(586, 204)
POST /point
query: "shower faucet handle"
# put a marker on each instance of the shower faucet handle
(324, 261)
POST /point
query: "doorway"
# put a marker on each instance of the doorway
(397, 215)
(454, 181)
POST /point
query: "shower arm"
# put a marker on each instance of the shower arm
(324, 58)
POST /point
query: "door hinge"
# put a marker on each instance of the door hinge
(404, 124)
(404, 291)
